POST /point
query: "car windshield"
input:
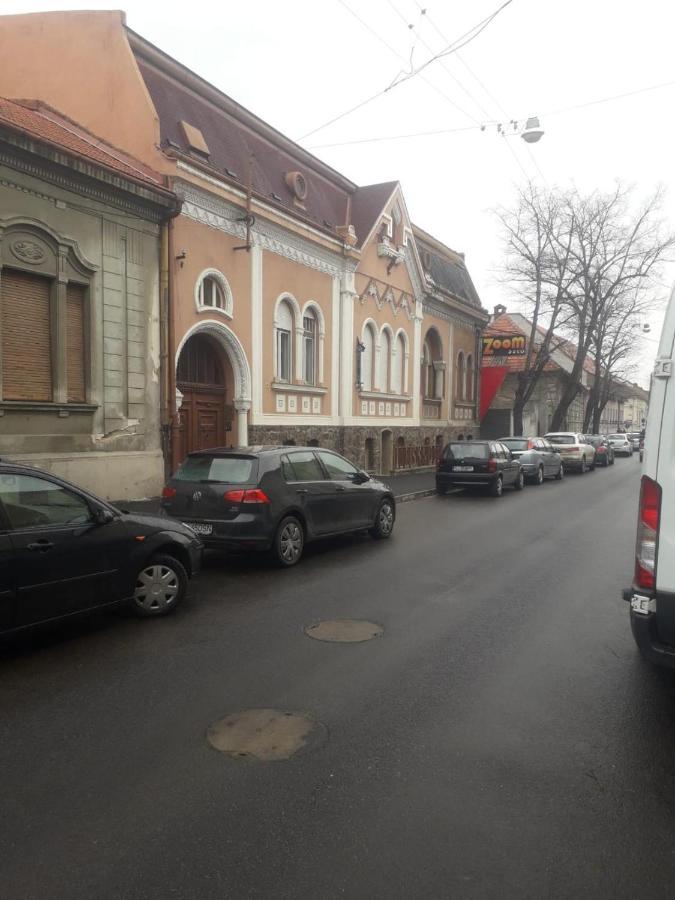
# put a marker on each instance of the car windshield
(516, 443)
(561, 438)
(594, 439)
(617, 437)
(225, 469)
(461, 450)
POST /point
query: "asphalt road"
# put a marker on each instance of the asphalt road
(501, 739)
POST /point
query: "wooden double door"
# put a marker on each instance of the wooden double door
(205, 418)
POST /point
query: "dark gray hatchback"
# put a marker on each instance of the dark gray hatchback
(276, 499)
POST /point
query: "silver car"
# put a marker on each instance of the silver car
(621, 445)
(539, 458)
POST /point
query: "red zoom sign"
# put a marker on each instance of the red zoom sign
(504, 345)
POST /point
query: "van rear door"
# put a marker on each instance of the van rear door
(659, 458)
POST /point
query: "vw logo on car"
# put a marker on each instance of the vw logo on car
(197, 496)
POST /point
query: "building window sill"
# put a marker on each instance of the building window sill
(62, 409)
(380, 395)
(299, 388)
(215, 309)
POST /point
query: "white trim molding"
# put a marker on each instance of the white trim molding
(232, 346)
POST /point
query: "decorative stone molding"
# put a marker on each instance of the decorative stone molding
(218, 213)
(218, 276)
(235, 352)
(384, 294)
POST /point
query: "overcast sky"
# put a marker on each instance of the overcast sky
(300, 63)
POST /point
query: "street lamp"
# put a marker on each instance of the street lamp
(533, 131)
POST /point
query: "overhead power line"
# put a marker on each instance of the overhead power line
(460, 42)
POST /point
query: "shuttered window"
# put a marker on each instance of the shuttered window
(75, 343)
(25, 336)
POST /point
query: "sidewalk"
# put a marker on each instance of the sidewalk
(403, 484)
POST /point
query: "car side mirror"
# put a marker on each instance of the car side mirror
(103, 516)
(361, 477)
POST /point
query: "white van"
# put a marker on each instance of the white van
(652, 596)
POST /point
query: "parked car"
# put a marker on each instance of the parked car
(63, 551)
(642, 449)
(276, 499)
(487, 464)
(652, 594)
(634, 438)
(620, 444)
(575, 451)
(539, 458)
(604, 452)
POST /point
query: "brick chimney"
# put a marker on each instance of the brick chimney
(499, 310)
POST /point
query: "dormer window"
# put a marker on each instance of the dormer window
(195, 140)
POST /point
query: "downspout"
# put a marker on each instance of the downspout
(165, 420)
(171, 349)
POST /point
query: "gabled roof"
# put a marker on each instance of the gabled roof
(47, 125)
(237, 139)
(508, 325)
(368, 204)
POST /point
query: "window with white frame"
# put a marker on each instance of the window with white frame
(284, 341)
(468, 393)
(309, 347)
(367, 358)
(398, 362)
(461, 376)
(385, 357)
(211, 293)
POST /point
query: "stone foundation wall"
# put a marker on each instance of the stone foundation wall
(351, 441)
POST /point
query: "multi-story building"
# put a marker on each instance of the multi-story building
(80, 348)
(301, 308)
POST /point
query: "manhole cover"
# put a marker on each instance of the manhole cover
(263, 734)
(346, 631)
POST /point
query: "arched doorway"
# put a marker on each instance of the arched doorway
(387, 452)
(204, 378)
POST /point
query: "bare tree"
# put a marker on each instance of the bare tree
(538, 244)
(616, 255)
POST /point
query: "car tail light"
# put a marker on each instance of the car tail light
(168, 492)
(254, 496)
(530, 444)
(647, 534)
(492, 465)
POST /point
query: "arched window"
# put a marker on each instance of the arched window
(397, 364)
(468, 393)
(461, 376)
(385, 358)
(433, 367)
(309, 347)
(213, 292)
(367, 358)
(284, 341)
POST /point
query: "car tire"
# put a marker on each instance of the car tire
(441, 490)
(497, 487)
(289, 542)
(539, 478)
(592, 465)
(384, 521)
(160, 586)
(582, 467)
(519, 483)
(560, 473)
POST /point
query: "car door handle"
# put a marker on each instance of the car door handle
(302, 491)
(340, 487)
(41, 546)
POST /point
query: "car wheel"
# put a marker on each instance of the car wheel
(520, 481)
(539, 478)
(560, 473)
(592, 465)
(384, 521)
(582, 467)
(440, 489)
(161, 584)
(497, 487)
(289, 542)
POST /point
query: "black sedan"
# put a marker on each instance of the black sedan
(64, 551)
(537, 456)
(487, 464)
(276, 499)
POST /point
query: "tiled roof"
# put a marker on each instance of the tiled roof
(504, 324)
(233, 142)
(45, 124)
(368, 205)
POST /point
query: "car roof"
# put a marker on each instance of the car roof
(253, 450)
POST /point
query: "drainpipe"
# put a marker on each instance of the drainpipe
(171, 352)
(165, 421)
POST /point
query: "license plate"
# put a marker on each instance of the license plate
(199, 527)
(462, 468)
(643, 605)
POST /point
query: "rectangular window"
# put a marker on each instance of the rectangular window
(75, 343)
(309, 355)
(283, 355)
(26, 336)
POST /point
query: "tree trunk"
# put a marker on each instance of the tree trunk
(570, 392)
(518, 408)
(597, 415)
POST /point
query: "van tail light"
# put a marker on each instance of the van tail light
(168, 492)
(254, 496)
(492, 465)
(649, 516)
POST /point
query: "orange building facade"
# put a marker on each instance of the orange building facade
(295, 306)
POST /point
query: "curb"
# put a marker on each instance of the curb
(414, 495)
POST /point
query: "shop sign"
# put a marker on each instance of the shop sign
(504, 345)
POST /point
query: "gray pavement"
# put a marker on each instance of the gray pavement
(502, 738)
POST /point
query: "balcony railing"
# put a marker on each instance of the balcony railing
(416, 457)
